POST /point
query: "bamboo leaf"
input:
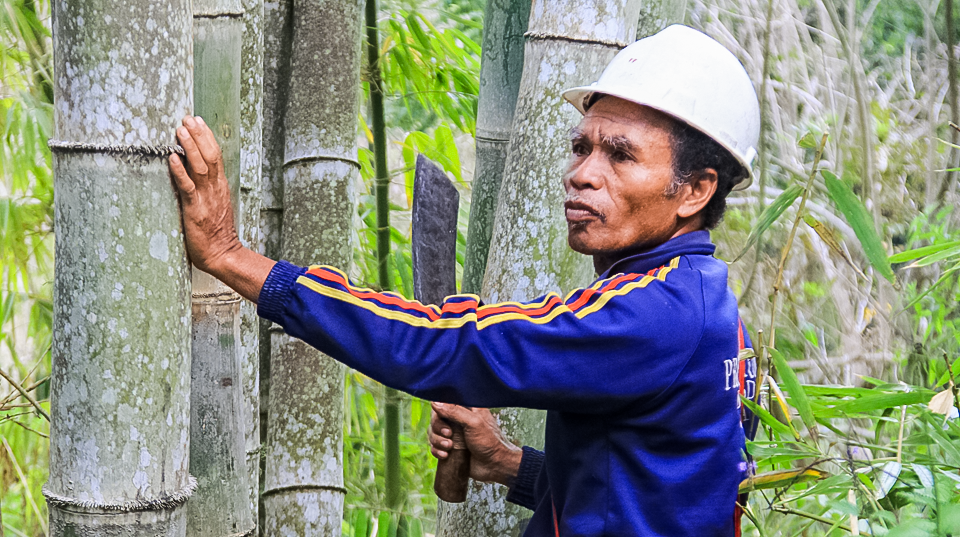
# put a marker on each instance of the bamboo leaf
(361, 523)
(889, 475)
(780, 478)
(808, 141)
(830, 239)
(942, 402)
(916, 253)
(882, 401)
(766, 417)
(769, 216)
(797, 395)
(943, 277)
(861, 222)
(781, 407)
(939, 256)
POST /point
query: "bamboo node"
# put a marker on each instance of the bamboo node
(315, 158)
(543, 36)
(117, 149)
(164, 502)
(304, 488)
(221, 297)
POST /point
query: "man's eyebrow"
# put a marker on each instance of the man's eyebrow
(617, 142)
(575, 134)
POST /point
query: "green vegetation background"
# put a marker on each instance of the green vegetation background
(856, 448)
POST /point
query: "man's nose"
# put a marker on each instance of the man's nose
(589, 173)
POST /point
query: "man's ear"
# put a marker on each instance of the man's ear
(697, 193)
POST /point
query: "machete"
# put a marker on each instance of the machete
(435, 206)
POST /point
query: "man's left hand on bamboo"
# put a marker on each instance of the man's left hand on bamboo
(639, 371)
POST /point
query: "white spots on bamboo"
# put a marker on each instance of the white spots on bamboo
(141, 481)
(546, 72)
(158, 247)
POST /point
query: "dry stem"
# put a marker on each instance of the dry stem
(25, 394)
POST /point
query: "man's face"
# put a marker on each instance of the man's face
(617, 180)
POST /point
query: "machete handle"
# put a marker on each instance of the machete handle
(453, 473)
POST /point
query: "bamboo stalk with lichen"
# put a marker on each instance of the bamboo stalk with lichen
(120, 408)
(303, 482)
(251, 184)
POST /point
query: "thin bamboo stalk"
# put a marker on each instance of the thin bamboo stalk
(954, 101)
(303, 483)
(392, 398)
(120, 407)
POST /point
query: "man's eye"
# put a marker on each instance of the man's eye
(619, 156)
(580, 149)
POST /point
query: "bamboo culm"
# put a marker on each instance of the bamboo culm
(251, 186)
(505, 22)
(217, 427)
(392, 398)
(277, 35)
(119, 439)
(303, 482)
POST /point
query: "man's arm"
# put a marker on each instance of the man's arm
(597, 350)
(212, 241)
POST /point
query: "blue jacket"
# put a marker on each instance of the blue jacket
(638, 373)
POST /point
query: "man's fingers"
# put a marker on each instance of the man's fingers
(204, 138)
(439, 441)
(194, 158)
(182, 179)
(455, 414)
(439, 454)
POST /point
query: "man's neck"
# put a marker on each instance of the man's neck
(603, 261)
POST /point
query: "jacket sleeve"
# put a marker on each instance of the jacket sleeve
(599, 349)
(524, 491)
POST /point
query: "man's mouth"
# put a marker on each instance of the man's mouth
(580, 212)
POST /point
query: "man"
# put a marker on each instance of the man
(638, 371)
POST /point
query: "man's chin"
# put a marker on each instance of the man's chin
(579, 241)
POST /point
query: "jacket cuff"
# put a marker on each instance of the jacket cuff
(277, 290)
(522, 491)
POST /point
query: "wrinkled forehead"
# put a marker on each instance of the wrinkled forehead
(611, 116)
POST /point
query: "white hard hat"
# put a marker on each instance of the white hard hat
(688, 75)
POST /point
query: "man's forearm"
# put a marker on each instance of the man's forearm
(244, 271)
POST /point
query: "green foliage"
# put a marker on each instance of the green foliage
(430, 69)
(26, 255)
(861, 221)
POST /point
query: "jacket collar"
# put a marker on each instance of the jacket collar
(693, 243)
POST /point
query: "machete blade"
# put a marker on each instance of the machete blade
(436, 203)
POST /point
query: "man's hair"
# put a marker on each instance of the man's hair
(694, 152)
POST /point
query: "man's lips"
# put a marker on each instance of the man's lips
(578, 211)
